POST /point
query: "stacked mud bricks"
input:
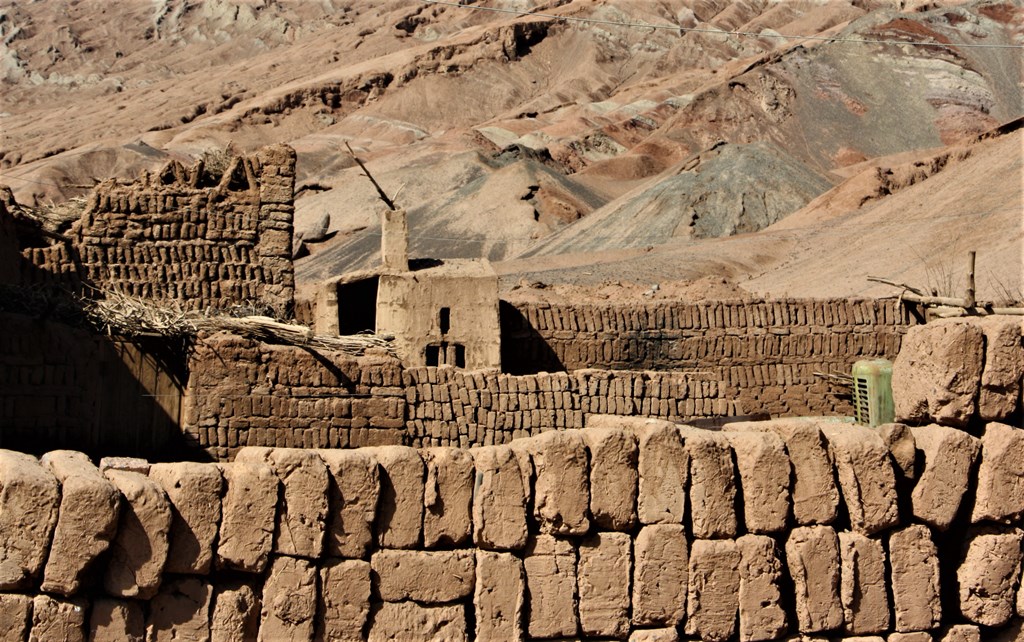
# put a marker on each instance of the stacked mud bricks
(171, 237)
(448, 407)
(629, 529)
(246, 393)
(764, 354)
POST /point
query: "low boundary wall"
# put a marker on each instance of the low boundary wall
(245, 393)
(629, 529)
(763, 354)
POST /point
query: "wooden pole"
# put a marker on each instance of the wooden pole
(969, 300)
(380, 190)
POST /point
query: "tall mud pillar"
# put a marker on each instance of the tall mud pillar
(394, 240)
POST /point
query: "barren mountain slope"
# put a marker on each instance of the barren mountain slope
(507, 135)
(912, 222)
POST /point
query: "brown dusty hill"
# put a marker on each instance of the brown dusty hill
(538, 141)
(910, 221)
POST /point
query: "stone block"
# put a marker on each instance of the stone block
(236, 612)
(499, 597)
(129, 464)
(762, 611)
(899, 439)
(937, 375)
(654, 635)
(1000, 491)
(180, 611)
(989, 575)
(448, 497)
(561, 488)
(354, 493)
(56, 619)
(550, 566)
(15, 617)
(866, 476)
(712, 484)
(344, 600)
(812, 554)
(412, 622)
(30, 499)
(664, 467)
(248, 516)
(914, 579)
(1003, 367)
(614, 475)
(916, 636)
(302, 507)
(288, 611)
(399, 522)
(113, 620)
(139, 550)
(814, 494)
(765, 479)
(961, 633)
(712, 601)
(949, 455)
(194, 491)
(605, 562)
(87, 522)
(499, 500)
(660, 575)
(863, 581)
(428, 577)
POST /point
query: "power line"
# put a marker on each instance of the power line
(720, 32)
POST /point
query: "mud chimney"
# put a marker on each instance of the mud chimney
(394, 240)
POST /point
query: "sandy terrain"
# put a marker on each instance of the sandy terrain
(574, 153)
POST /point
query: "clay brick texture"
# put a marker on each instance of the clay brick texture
(541, 539)
(761, 355)
(181, 235)
(734, 359)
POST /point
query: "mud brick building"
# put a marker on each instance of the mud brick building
(311, 494)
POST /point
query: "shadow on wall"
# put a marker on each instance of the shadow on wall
(523, 349)
(63, 386)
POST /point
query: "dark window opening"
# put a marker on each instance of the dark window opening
(357, 306)
(444, 320)
(433, 355)
(446, 354)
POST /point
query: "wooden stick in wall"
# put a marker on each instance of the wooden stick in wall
(969, 301)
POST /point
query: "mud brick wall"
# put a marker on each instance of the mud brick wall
(242, 392)
(626, 530)
(245, 393)
(449, 407)
(174, 235)
(764, 354)
(63, 385)
(962, 372)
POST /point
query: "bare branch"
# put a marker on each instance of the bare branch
(380, 191)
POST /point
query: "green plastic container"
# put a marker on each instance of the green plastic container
(872, 392)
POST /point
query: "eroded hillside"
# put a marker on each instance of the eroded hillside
(555, 145)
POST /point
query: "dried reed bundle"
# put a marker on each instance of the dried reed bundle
(123, 314)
